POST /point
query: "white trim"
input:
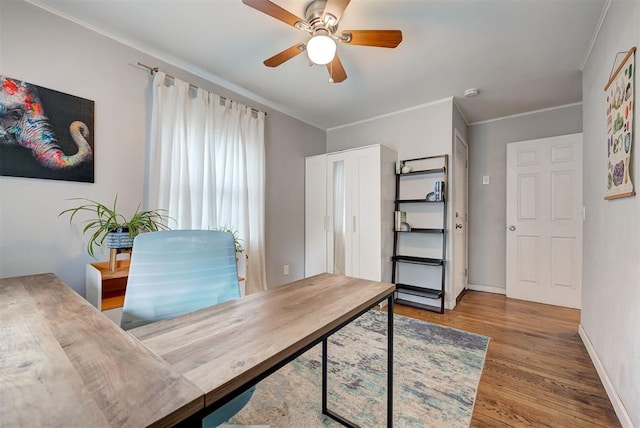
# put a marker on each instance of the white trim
(618, 405)
(184, 65)
(487, 288)
(527, 113)
(351, 149)
(594, 38)
(440, 101)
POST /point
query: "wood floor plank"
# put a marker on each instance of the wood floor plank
(537, 371)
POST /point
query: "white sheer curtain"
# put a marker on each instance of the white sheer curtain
(206, 166)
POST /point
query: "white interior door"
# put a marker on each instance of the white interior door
(544, 220)
(460, 184)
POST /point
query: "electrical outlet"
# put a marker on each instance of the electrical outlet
(285, 270)
(486, 179)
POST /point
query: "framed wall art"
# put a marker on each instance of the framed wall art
(620, 96)
(45, 133)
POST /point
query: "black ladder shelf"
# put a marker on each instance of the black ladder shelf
(427, 291)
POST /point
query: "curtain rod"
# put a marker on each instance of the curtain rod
(153, 70)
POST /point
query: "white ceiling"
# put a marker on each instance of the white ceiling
(523, 55)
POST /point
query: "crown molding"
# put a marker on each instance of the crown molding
(596, 32)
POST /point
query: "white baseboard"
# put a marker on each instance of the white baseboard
(487, 288)
(618, 406)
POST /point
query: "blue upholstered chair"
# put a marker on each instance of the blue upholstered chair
(175, 272)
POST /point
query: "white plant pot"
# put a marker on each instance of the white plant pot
(119, 239)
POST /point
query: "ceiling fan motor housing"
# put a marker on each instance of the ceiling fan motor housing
(314, 13)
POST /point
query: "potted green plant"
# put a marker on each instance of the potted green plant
(239, 247)
(106, 224)
(237, 241)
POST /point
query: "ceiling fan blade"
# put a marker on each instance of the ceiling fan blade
(336, 70)
(285, 55)
(275, 11)
(378, 38)
(335, 8)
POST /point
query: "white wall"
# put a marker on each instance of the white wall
(423, 131)
(611, 273)
(487, 202)
(417, 132)
(289, 141)
(61, 55)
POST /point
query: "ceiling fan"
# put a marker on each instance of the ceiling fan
(322, 19)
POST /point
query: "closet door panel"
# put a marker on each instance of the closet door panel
(357, 202)
(338, 212)
(316, 221)
(366, 215)
(352, 267)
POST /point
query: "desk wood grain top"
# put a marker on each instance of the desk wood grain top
(63, 363)
(222, 347)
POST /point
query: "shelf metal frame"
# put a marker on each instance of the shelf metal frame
(402, 258)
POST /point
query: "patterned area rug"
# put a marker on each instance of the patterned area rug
(436, 375)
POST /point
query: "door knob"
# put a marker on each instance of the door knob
(512, 228)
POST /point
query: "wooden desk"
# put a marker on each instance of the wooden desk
(227, 348)
(62, 363)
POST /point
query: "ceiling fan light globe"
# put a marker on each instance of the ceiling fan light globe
(321, 49)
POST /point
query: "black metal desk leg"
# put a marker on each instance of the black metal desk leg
(325, 410)
(324, 376)
(338, 418)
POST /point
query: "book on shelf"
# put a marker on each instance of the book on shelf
(400, 218)
(438, 190)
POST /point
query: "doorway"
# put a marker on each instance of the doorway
(460, 216)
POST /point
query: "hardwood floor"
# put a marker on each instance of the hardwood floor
(537, 371)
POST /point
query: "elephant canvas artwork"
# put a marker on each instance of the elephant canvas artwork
(45, 133)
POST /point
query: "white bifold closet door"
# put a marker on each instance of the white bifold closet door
(358, 219)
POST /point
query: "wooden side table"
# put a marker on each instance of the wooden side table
(105, 289)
